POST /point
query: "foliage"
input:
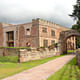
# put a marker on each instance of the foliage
(17, 47)
(70, 71)
(55, 45)
(10, 68)
(51, 47)
(76, 15)
(71, 51)
(76, 12)
(42, 48)
(28, 48)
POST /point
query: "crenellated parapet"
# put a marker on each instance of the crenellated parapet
(42, 22)
(46, 23)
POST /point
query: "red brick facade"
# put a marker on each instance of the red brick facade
(31, 34)
(1, 35)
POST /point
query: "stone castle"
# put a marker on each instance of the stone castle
(37, 33)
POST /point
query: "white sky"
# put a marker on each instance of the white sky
(22, 11)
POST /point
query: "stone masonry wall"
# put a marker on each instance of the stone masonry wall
(78, 57)
(49, 26)
(36, 55)
(21, 37)
(1, 35)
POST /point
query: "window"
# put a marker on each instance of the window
(10, 38)
(52, 42)
(10, 35)
(28, 31)
(11, 44)
(52, 33)
(45, 43)
(44, 30)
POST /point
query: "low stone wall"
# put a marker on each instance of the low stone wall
(78, 57)
(9, 51)
(26, 56)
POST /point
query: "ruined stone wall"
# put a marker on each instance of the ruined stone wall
(36, 36)
(78, 57)
(50, 26)
(21, 36)
(26, 56)
(1, 35)
(33, 38)
(7, 29)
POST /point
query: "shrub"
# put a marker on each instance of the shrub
(55, 45)
(41, 48)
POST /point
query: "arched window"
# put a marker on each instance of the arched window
(27, 31)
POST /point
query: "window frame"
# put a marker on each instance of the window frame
(53, 33)
(28, 31)
(44, 30)
(45, 43)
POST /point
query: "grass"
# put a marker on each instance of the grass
(13, 59)
(69, 72)
(8, 65)
(70, 51)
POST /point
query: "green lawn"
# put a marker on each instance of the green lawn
(70, 51)
(69, 72)
(9, 65)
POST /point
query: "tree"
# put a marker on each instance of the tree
(76, 16)
(76, 12)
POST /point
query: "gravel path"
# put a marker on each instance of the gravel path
(43, 71)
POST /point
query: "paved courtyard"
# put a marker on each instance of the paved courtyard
(43, 71)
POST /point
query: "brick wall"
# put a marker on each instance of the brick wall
(78, 57)
(50, 26)
(36, 37)
(1, 35)
(21, 36)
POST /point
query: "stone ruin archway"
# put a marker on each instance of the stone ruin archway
(64, 35)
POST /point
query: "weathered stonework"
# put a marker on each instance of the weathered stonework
(1, 35)
(35, 36)
(36, 55)
(21, 36)
(78, 57)
(68, 36)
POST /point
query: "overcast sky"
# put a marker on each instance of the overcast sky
(23, 11)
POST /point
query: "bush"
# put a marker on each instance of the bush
(55, 45)
(41, 48)
(16, 47)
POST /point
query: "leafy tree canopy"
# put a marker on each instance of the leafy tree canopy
(76, 16)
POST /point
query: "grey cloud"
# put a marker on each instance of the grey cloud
(16, 12)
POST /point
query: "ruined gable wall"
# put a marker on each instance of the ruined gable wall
(1, 35)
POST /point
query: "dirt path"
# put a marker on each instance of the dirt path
(43, 71)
